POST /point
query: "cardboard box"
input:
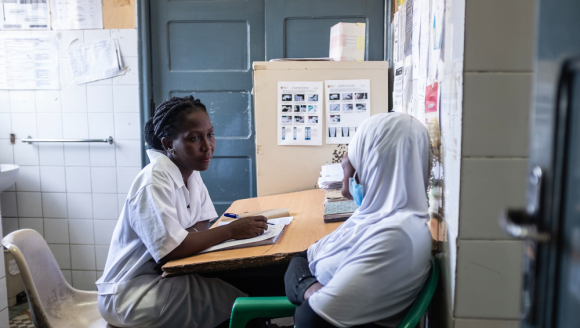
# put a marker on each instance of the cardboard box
(347, 42)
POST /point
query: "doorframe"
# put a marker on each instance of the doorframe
(146, 105)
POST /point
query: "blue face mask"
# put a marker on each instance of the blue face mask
(356, 190)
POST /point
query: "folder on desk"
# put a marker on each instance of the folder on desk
(269, 214)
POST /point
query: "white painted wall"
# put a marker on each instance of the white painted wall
(72, 193)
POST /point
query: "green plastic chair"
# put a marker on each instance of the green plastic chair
(247, 308)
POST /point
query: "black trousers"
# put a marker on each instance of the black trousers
(297, 280)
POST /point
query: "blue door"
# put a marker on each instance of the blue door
(206, 49)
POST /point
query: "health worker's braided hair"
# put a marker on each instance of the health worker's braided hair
(168, 119)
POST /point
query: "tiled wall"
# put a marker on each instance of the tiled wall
(499, 48)
(72, 193)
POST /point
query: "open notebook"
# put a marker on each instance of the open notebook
(269, 237)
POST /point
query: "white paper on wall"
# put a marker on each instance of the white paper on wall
(409, 22)
(424, 39)
(299, 113)
(407, 84)
(436, 40)
(416, 37)
(76, 14)
(95, 60)
(24, 15)
(29, 62)
(398, 87)
(395, 29)
(347, 106)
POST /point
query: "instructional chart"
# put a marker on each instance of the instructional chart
(347, 106)
(299, 113)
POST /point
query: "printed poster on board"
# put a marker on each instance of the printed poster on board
(299, 112)
(347, 106)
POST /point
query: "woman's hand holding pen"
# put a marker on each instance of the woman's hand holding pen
(248, 227)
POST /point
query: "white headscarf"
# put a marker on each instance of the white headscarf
(373, 266)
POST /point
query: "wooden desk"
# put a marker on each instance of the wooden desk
(307, 227)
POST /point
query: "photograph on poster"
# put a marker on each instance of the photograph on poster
(334, 96)
(334, 118)
(313, 108)
(361, 96)
(299, 119)
(332, 132)
(294, 137)
(313, 97)
(347, 107)
(345, 130)
(303, 108)
(286, 119)
(334, 107)
(307, 133)
(283, 133)
(296, 108)
(361, 107)
(313, 119)
(347, 96)
(298, 97)
(286, 108)
(286, 97)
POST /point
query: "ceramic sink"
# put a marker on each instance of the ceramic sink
(8, 175)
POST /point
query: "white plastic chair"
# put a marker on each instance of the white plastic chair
(53, 302)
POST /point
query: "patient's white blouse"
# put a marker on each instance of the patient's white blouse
(156, 213)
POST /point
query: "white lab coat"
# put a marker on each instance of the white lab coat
(157, 211)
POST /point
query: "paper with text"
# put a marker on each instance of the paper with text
(95, 61)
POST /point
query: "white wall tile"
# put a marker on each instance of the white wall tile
(127, 41)
(25, 154)
(126, 98)
(125, 177)
(81, 231)
(97, 35)
(8, 204)
(101, 256)
(121, 199)
(6, 152)
(22, 101)
(489, 186)
(78, 179)
(4, 318)
(127, 126)
(49, 125)
(104, 231)
(48, 101)
(28, 179)
(3, 291)
(82, 257)
(51, 154)
(100, 98)
(4, 101)
(32, 223)
(74, 99)
(84, 280)
(490, 270)
(29, 204)
(9, 225)
(132, 74)
(65, 37)
(101, 125)
(65, 72)
(5, 125)
(67, 276)
(496, 114)
(105, 206)
(80, 206)
(104, 180)
(75, 125)
(509, 29)
(54, 205)
(102, 154)
(24, 125)
(76, 154)
(52, 179)
(62, 255)
(56, 231)
(99, 274)
(128, 152)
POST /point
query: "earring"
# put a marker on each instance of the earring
(171, 151)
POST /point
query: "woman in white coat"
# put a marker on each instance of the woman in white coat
(166, 217)
(369, 271)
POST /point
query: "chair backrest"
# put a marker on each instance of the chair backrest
(46, 287)
(422, 302)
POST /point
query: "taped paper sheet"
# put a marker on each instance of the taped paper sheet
(29, 62)
(347, 106)
(76, 14)
(299, 113)
(24, 15)
(95, 61)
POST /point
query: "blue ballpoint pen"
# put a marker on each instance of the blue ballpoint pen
(235, 216)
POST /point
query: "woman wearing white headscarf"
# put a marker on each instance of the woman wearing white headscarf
(370, 270)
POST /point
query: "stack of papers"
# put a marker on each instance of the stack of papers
(339, 211)
(331, 177)
(333, 195)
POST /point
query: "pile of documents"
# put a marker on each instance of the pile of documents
(330, 177)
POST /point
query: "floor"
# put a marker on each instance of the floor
(19, 315)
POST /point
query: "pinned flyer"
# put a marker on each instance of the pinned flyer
(347, 106)
(299, 113)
